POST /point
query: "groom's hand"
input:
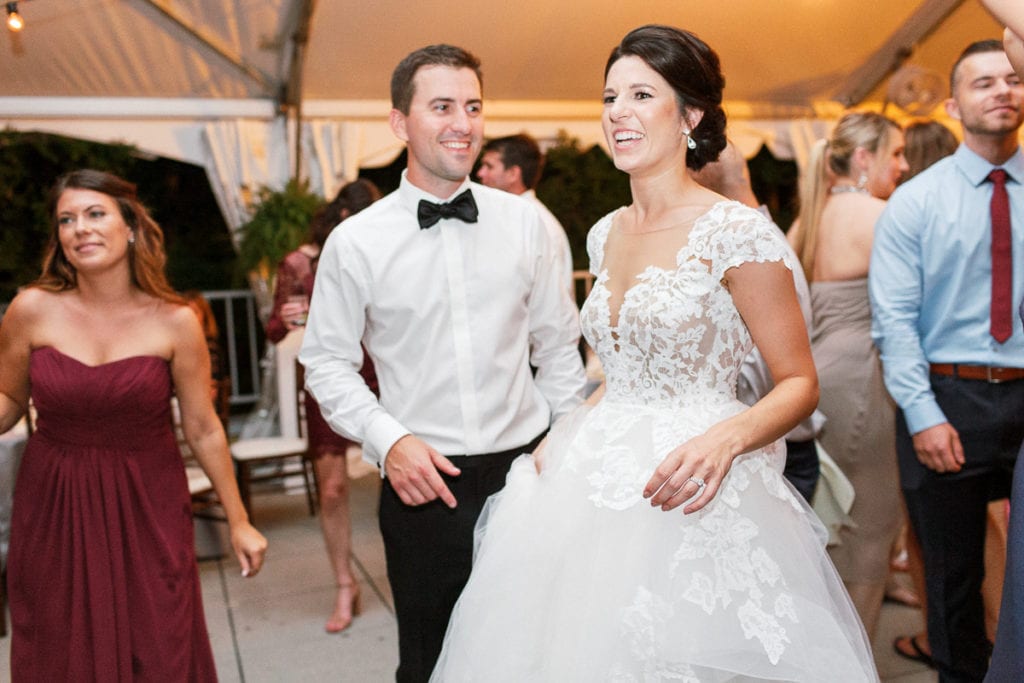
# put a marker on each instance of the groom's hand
(412, 468)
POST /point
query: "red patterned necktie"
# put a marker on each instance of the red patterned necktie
(1001, 313)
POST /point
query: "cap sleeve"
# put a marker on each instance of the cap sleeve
(736, 234)
(596, 238)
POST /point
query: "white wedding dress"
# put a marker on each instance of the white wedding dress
(577, 578)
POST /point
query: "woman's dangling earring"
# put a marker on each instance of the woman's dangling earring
(690, 142)
(862, 181)
(131, 239)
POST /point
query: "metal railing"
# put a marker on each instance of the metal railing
(241, 338)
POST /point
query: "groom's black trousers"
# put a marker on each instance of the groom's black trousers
(429, 551)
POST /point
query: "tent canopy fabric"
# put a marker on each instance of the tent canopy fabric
(207, 81)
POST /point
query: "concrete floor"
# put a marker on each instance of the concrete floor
(270, 628)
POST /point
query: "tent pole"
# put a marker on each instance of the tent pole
(886, 59)
(298, 141)
(212, 43)
(293, 87)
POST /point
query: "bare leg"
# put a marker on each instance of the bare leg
(899, 562)
(995, 564)
(915, 567)
(332, 473)
(867, 599)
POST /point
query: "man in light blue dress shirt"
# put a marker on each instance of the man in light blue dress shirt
(959, 388)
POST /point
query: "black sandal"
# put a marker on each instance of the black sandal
(917, 654)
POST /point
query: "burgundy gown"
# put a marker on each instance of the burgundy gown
(295, 275)
(102, 573)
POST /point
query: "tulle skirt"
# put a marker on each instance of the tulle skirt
(577, 578)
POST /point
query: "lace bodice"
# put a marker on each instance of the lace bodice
(679, 337)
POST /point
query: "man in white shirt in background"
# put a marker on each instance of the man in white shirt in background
(454, 290)
(514, 164)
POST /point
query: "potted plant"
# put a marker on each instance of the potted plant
(277, 227)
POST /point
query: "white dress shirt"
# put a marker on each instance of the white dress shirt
(559, 240)
(452, 316)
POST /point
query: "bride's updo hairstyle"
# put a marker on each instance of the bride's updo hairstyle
(694, 72)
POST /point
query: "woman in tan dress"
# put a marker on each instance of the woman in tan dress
(848, 179)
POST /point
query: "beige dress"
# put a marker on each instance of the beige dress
(860, 430)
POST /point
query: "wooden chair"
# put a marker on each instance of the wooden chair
(276, 457)
(210, 522)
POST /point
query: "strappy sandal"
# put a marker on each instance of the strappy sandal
(915, 653)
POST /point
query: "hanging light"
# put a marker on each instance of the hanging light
(14, 20)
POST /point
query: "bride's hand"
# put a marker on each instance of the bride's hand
(693, 470)
(538, 454)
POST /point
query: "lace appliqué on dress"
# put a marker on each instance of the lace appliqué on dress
(673, 359)
(643, 622)
(678, 334)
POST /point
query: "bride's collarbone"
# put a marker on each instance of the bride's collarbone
(678, 218)
(626, 264)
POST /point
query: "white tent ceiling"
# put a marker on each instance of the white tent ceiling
(163, 74)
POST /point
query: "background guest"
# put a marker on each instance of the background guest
(944, 295)
(1008, 654)
(926, 141)
(292, 292)
(847, 180)
(514, 164)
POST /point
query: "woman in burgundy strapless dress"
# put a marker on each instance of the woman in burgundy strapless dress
(102, 580)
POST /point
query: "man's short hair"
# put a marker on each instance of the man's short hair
(974, 48)
(522, 151)
(402, 88)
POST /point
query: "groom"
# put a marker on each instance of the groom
(455, 293)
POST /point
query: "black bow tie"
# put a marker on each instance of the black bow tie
(462, 207)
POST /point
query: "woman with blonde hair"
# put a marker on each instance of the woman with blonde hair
(848, 179)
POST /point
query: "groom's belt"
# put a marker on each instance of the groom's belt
(481, 458)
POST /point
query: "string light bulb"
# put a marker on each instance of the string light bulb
(14, 20)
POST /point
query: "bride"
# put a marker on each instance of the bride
(652, 536)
